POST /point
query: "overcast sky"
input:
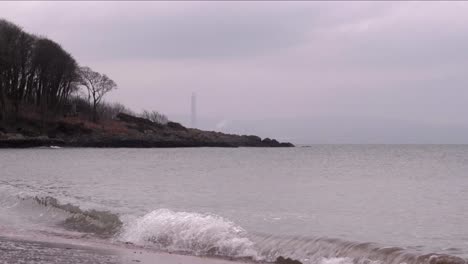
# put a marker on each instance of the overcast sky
(269, 61)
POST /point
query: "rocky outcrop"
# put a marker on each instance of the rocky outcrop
(281, 260)
(30, 142)
(131, 132)
(139, 121)
(176, 126)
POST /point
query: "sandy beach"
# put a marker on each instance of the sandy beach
(20, 249)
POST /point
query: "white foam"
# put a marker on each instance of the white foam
(336, 261)
(199, 234)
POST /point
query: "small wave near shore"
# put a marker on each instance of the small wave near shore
(212, 235)
(199, 234)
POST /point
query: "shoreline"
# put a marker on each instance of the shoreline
(123, 132)
(35, 142)
(21, 249)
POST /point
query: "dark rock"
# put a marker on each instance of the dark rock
(267, 142)
(176, 126)
(30, 142)
(281, 260)
(252, 138)
(27, 132)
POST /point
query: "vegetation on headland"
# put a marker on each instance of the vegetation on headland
(46, 98)
(38, 77)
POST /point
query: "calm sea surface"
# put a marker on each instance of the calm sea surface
(345, 203)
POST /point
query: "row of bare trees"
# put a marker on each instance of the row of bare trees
(37, 72)
(155, 117)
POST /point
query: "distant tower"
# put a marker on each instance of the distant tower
(194, 110)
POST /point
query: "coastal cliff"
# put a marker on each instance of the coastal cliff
(124, 131)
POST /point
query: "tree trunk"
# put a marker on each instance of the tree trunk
(2, 106)
(95, 118)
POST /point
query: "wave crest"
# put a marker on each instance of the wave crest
(196, 233)
(322, 250)
(206, 234)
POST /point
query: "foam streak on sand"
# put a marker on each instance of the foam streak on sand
(42, 250)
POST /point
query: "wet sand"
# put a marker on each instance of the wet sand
(22, 250)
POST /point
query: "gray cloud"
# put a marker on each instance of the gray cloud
(273, 60)
(116, 30)
(173, 30)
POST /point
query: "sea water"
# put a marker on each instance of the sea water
(323, 204)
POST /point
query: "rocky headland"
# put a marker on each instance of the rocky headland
(124, 131)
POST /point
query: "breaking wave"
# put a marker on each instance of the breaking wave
(212, 235)
(204, 234)
(199, 234)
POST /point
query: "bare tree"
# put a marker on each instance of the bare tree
(155, 117)
(97, 86)
(110, 111)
